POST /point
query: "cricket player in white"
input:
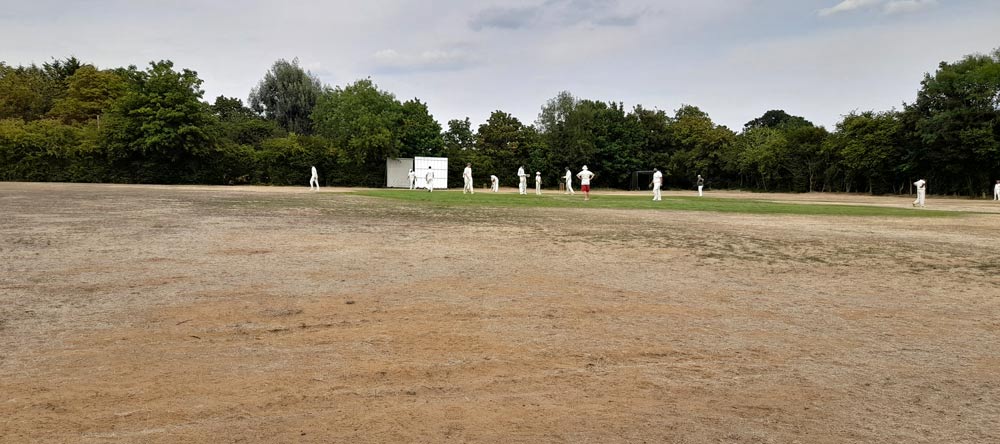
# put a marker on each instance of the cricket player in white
(430, 179)
(413, 179)
(494, 183)
(522, 184)
(996, 191)
(657, 181)
(467, 177)
(569, 182)
(585, 177)
(701, 184)
(314, 180)
(921, 192)
(538, 183)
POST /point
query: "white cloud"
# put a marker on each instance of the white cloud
(905, 6)
(848, 5)
(392, 61)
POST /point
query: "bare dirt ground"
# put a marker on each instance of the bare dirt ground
(145, 314)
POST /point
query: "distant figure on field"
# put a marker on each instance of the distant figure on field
(921, 192)
(429, 177)
(585, 175)
(701, 185)
(996, 191)
(538, 182)
(522, 181)
(467, 177)
(314, 180)
(569, 182)
(413, 179)
(657, 181)
(494, 183)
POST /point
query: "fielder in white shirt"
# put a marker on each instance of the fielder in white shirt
(569, 182)
(996, 191)
(657, 181)
(522, 184)
(538, 182)
(585, 175)
(494, 183)
(413, 179)
(921, 192)
(314, 180)
(429, 177)
(467, 176)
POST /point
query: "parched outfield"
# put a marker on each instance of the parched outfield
(154, 314)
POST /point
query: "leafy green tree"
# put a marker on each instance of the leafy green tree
(507, 143)
(160, 131)
(700, 144)
(956, 119)
(419, 133)
(868, 144)
(776, 118)
(287, 95)
(90, 92)
(363, 122)
(241, 125)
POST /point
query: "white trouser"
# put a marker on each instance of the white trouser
(496, 187)
(314, 181)
(699, 189)
(656, 192)
(413, 184)
(996, 194)
(569, 187)
(538, 188)
(522, 186)
(468, 186)
(430, 186)
(921, 194)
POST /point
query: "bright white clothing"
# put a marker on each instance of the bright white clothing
(522, 184)
(996, 192)
(699, 189)
(494, 183)
(657, 182)
(314, 180)
(585, 177)
(429, 177)
(921, 192)
(413, 179)
(569, 182)
(538, 184)
(467, 176)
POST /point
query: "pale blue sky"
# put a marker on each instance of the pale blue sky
(735, 59)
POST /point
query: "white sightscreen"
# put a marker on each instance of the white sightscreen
(397, 172)
(438, 164)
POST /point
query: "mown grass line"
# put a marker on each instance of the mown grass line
(714, 204)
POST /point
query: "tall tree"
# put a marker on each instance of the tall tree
(287, 94)
(159, 131)
(419, 133)
(90, 92)
(956, 119)
(364, 122)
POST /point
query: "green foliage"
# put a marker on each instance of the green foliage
(364, 122)
(287, 95)
(160, 131)
(89, 94)
(956, 124)
(419, 133)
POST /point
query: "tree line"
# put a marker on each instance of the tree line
(70, 121)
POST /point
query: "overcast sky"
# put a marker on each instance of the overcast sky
(735, 59)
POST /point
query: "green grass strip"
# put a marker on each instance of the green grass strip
(555, 199)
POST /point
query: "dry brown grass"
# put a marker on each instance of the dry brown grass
(199, 314)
